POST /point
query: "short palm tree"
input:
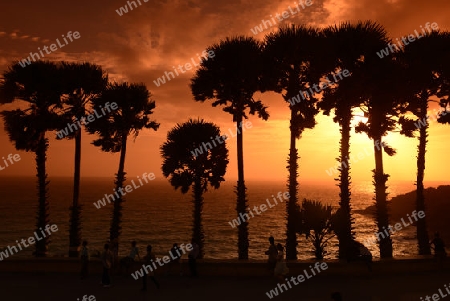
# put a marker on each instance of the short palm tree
(38, 84)
(315, 222)
(293, 61)
(186, 170)
(134, 107)
(82, 82)
(230, 78)
(350, 46)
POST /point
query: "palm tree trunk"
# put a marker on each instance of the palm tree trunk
(382, 217)
(291, 204)
(75, 209)
(346, 236)
(116, 221)
(43, 205)
(241, 206)
(197, 229)
(422, 233)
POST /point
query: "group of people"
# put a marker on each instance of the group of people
(110, 261)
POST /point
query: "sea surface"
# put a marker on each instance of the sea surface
(157, 214)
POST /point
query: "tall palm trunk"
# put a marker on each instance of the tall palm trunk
(382, 217)
(241, 206)
(291, 204)
(197, 231)
(422, 234)
(43, 205)
(346, 236)
(116, 221)
(75, 209)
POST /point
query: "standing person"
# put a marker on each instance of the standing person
(107, 259)
(438, 247)
(193, 254)
(281, 270)
(175, 255)
(148, 258)
(272, 252)
(126, 262)
(84, 258)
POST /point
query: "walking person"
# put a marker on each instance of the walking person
(281, 270)
(193, 254)
(148, 258)
(107, 260)
(84, 259)
(272, 252)
(127, 262)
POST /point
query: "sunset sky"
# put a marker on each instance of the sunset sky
(141, 45)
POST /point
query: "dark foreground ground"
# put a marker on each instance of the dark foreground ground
(365, 286)
(396, 281)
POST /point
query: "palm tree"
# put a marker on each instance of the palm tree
(185, 170)
(350, 46)
(422, 60)
(294, 63)
(131, 109)
(82, 82)
(316, 225)
(383, 105)
(230, 78)
(39, 86)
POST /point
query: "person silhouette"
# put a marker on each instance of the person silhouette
(272, 252)
(193, 254)
(438, 247)
(148, 258)
(281, 270)
(107, 261)
(84, 259)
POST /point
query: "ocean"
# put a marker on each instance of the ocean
(157, 214)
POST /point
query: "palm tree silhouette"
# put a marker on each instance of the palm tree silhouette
(185, 170)
(422, 59)
(134, 108)
(350, 45)
(383, 106)
(38, 85)
(293, 63)
(231, 77)
(82, 82)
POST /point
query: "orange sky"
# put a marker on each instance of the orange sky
(147, 41)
